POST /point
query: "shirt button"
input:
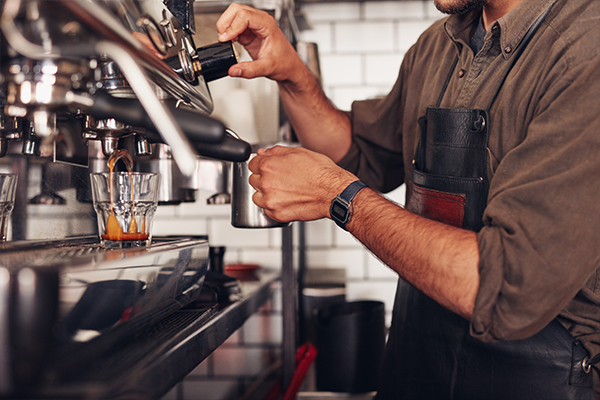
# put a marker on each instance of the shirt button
(508, 49)
(461, 73)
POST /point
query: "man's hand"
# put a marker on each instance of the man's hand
(273, 55)
(296, 184)
(319, 125)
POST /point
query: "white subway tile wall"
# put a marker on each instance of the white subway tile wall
(395, 10)
(380, 69)
(363, 37)
(361, 46)
(377, 33)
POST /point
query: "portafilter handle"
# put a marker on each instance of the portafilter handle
(208, 136)
(212, 62)
(196, 127)
(215, 60)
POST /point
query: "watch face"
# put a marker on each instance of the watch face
(339, 211)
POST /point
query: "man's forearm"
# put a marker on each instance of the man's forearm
(440, 260)
(319, 125)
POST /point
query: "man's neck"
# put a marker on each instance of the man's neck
(495, 9)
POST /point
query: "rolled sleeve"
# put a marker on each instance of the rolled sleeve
(539, 245)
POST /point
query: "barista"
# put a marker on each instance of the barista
(493, 125)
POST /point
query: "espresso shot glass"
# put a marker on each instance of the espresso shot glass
(125, 204)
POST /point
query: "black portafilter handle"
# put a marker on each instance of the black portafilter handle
(212, 62)
(230, 148)
(207, 135)
(196, 127)
(216, 59)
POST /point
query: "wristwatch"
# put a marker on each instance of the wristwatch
(340, 206)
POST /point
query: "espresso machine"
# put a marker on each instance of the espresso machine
(110, 73)
(79, 80)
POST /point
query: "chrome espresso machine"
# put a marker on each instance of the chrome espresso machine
(79, 80)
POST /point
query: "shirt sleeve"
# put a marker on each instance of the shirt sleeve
(376, 154)
(539, 245)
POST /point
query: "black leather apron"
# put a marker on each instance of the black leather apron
(430, 353)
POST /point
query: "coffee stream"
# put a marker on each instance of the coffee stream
(113, 229)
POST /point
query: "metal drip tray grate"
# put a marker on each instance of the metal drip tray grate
(19, 258)
(99, 361)
(80, 251)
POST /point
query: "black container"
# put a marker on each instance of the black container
(216, 257)
(314, 298)
(350, 342)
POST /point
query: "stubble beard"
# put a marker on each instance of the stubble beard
(459, 6)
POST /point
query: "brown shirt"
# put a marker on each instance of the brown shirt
(539, 248)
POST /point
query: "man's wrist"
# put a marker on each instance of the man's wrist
(340, 210)
(300, 80)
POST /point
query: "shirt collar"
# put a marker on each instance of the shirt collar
(513, 26)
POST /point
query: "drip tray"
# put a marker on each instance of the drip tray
(110, 360)
(89, 310)
(80, 251)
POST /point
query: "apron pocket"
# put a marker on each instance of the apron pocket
(455, 201)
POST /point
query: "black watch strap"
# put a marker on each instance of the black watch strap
(340, 206)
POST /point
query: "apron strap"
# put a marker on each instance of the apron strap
(439, 101)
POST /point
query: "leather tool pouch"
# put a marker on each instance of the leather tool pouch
(449, 179)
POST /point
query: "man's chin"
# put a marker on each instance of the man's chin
(459, 6)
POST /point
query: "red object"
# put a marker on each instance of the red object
(241, 267)
(304, 358)
(448, 208)
(242, 272)
(129, 312)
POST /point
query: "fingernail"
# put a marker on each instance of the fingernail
(236, 72)
(223, 36)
